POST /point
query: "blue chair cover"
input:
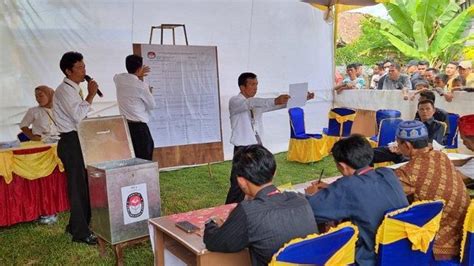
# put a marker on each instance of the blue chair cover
(400, 252)
(297, 130)
(452, 138)
(468, 258)
(334, 127)
(22, 137)
(387, 131)
(316, 251)
(386, 113)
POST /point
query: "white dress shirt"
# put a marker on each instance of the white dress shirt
(40, 119)
(69, 108)
(243, 133)
(467, 169)
(134, 98)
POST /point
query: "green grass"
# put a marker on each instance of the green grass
(181, 191)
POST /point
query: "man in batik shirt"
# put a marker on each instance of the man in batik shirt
(430, 175)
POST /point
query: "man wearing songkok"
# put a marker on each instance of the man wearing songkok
(430, 175)
(466, 130)
(362, 195)
(265, 222)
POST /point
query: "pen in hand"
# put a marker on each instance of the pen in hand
(320, 176)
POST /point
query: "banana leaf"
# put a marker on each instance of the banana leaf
(449, 12)
(451, 32)
(386, 25)
(426, 13)
(406, 49)
(401, 19)
(419, 34)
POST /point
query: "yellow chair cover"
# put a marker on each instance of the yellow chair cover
(392, 230)
(344, 256)
(306, 150)
(29, 166)
(468, 226)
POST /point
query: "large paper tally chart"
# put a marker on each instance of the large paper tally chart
(185, 87)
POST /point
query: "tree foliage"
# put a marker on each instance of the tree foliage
(425, 29)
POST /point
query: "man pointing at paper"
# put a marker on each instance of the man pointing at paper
(246, 122)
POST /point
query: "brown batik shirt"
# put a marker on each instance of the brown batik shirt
(430, 175)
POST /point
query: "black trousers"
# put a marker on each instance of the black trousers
(141, 139)
(69, 151)
(235, 194)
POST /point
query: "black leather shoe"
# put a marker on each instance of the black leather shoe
(89, 240)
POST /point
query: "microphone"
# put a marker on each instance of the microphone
(88, 78)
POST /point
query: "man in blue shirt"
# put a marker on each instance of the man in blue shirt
(362, 195)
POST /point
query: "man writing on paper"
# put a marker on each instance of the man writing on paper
(135, 102)
(69, 109)
(246, 122)
(268, 221)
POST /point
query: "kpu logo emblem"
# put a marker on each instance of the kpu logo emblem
(135, 205)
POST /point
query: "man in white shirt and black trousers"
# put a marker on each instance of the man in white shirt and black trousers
(246, 122)
(135, 102)
(69, 109)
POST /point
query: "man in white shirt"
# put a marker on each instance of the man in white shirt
(69, 109)
(466, 130)
(135, 102)
(246, 122)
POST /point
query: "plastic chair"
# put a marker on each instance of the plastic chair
(297, 124)
(452, 138)
(303, 147)
(340, 122)
(406, 235)
(336, 247)
(387, 131)
(386, 113)
(467, 244)
(22, 137)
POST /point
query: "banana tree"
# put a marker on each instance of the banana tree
(426, 29)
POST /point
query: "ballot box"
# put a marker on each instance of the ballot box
(124, 190)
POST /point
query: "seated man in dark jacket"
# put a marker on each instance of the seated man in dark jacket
(265, 222)
(362, 195)
(436, 131)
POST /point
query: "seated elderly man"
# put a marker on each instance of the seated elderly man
(265, 222)
(362, 195)
(430, 175)
(436, 131)
(466, 131)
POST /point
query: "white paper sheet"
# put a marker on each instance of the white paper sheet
(298, 94)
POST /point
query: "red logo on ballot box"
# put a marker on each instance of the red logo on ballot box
(135, 205)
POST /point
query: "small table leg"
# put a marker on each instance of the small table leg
(159, 247)
(118, 254)
(101, 246)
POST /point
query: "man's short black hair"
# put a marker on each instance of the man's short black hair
(434, 70)
(255, 163)
(443, 77)
(244, 77)
(454, 63)
(429, 95)
(396, 66)
(133, 63)
(354, 66)
(425, 102)
(68, 60)
(354, 151)
(423, 63)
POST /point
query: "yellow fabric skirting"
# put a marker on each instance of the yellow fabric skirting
(29, 166)
(306, 150)
(392, 230)
(344, 256)
(468, 227)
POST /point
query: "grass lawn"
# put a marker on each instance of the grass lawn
(181, 190)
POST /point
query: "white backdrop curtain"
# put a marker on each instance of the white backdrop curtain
(282, 41)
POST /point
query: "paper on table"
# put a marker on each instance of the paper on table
(298, 94)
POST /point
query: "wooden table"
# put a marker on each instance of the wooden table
(189, 247)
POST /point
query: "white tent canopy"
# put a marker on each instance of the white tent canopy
(281, 41)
